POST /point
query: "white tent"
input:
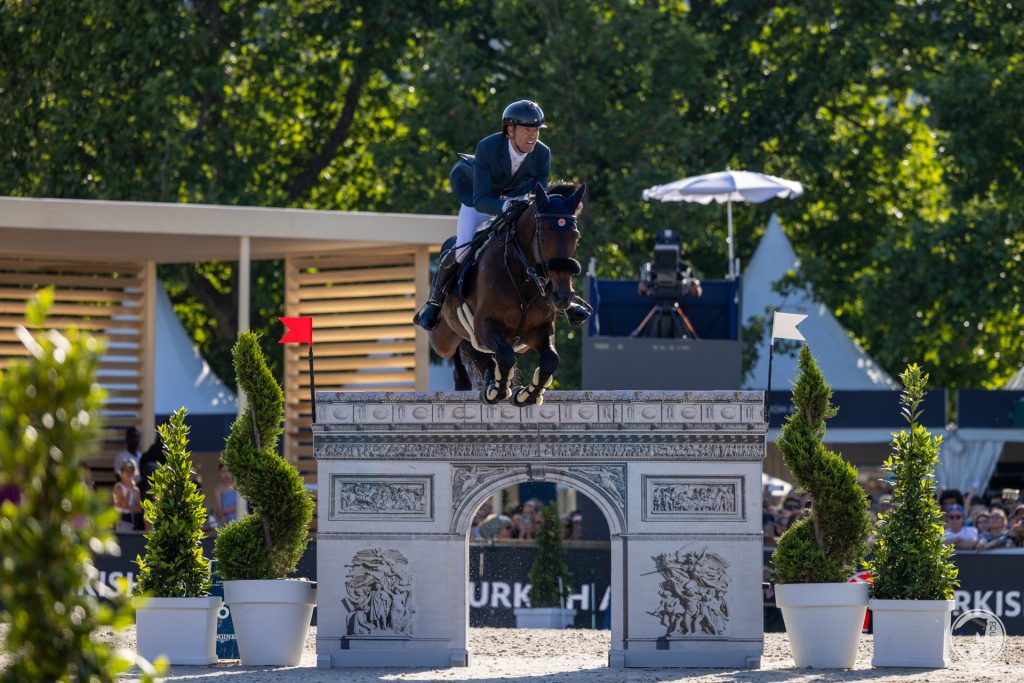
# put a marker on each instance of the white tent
(843, 362)
(183, 378)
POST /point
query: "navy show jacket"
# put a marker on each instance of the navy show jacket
(481, 180)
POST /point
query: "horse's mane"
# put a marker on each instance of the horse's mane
(561, 187)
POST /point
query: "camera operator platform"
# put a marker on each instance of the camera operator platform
(666, 278)
(666, 331)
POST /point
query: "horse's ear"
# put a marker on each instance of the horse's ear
(575, 198)
(542, 197)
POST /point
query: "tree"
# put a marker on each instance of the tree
(827, 545)
(549, 576)
(268, 543)
(174, 566)
(49, 419)
(911, 559)
(364, 105)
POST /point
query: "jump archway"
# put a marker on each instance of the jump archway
(676, 474)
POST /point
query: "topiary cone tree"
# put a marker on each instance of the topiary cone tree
(174, 566)
(828, 545)
(550, 564)
(268, 543)
(911, 560)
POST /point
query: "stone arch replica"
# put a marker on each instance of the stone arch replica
(677, 475)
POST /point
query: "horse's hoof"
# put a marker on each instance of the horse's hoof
(522, 397)
(491, 395)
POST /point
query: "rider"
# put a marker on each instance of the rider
(504, 169)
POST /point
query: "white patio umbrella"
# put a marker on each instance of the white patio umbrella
(726, 187)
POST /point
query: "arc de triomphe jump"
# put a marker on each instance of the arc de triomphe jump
(676, 474)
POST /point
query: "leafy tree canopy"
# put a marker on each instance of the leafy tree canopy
(898, 117)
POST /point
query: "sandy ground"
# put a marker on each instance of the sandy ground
(533, 656)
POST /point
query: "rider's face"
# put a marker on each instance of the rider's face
(524, 138)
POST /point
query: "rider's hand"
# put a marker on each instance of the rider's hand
(510, 203)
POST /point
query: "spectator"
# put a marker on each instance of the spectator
(769, 516)
(997, 535)
(528, 521)
(793, 503)
(979, 519)
(225, 498)
(1017, 527)
(950, 497)
(128, 499)
(960, 536)
(149, 463)
(132, 438)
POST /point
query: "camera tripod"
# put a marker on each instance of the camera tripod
(665, 320)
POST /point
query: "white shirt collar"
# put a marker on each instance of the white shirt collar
(515, 156)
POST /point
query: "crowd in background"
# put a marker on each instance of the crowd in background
(520, 521)
(971, 521)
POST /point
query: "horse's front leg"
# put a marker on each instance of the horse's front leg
(533, 393)
(499, 386)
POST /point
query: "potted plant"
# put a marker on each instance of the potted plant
(912, 568)
(549, 578)
(175, 615)
(255, 553)
(816, 555)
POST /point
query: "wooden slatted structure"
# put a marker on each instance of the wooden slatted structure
(106, 299)
(362, 303)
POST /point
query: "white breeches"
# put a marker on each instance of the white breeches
(469, 220)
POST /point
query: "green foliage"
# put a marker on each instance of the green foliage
(828, 544)
(550, 565)
(268, 543)
(911, 559)
(362, 106)
(49, 419)
(174, 566)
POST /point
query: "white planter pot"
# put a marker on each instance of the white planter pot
(544, 617)
(911, 632)
(824, 621)
(182, 629)
(271, 619)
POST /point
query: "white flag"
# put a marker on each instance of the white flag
(784, 326)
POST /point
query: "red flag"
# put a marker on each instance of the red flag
(298, 331)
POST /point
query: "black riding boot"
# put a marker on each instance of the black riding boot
(578, 312)
(429, 314)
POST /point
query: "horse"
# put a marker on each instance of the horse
(521, 280)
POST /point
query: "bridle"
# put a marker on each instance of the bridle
(539, 271)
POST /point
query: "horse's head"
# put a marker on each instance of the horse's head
(556, 236)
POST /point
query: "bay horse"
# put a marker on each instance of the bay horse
(521, 280)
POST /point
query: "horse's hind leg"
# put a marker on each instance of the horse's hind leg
(533, 393)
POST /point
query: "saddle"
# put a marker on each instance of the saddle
(487, 231)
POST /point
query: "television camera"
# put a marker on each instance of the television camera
(666, 278)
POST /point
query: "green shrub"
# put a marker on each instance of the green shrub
(911, 559)
(174, 566)
(829, 544)
(550, 565)
(268, 543)
(49, 421)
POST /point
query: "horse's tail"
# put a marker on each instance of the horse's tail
(478, 364)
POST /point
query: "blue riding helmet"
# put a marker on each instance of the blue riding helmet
(523, 113)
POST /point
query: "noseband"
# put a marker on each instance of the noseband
(560, 223)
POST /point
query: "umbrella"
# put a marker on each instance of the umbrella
(726, 186)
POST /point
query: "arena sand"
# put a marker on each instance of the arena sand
(533, 656)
